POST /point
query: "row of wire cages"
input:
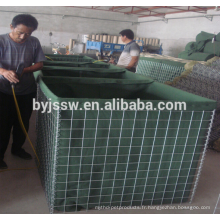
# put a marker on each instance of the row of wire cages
(201, 79)
(94, 158)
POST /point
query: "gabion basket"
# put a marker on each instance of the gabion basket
(92, 158)
(159, 70)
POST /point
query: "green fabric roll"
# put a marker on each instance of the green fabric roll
(218, 37)
(190, 45)
(204, 36)
(213, 48)
(197, 47)
(195, 56)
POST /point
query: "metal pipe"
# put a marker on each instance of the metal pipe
(65, 16)
(200, 16)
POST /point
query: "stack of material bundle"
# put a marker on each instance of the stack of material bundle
(203, 49)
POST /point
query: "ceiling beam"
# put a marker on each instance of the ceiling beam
(195, 10)
(118, 10)
(174, 8)
(198, 7)
(117, 7)
(144, 9)
(187, 10)
(141, 11)
(96, 8)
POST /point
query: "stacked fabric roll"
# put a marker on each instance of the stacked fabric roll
(203, 49)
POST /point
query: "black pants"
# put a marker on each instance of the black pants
(9, 120)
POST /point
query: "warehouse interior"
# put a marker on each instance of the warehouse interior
(171, 28)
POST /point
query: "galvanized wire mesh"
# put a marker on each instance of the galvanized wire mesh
(46, 149)
(217, 206)
(205, 81)
(216, 64)
(160, 72)
(79, 172)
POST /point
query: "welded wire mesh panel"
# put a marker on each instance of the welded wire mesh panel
(120, 158)
(46, 148)
(217, 206)
(216, 64)
(205, 81)
(160, 72)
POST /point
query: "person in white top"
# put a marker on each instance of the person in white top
(130, 55)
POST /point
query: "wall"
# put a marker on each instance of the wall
(50, 20)
(175, 34)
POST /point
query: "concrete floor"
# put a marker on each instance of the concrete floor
(21, 191)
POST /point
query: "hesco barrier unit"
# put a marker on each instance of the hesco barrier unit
(92, 158)
(158, 69)
(68, 58)
(91, 64)
(63, 56)
(117, 73)
(204, 81)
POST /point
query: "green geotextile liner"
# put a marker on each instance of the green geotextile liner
(64, 56)
(91, 64)
(198, 56)
(212, 48)
(118, 158)
(117, 73)
(159, 70)
(206, 36)
(69, 58)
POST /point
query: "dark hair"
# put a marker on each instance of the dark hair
(25, 19)
(128, 33)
